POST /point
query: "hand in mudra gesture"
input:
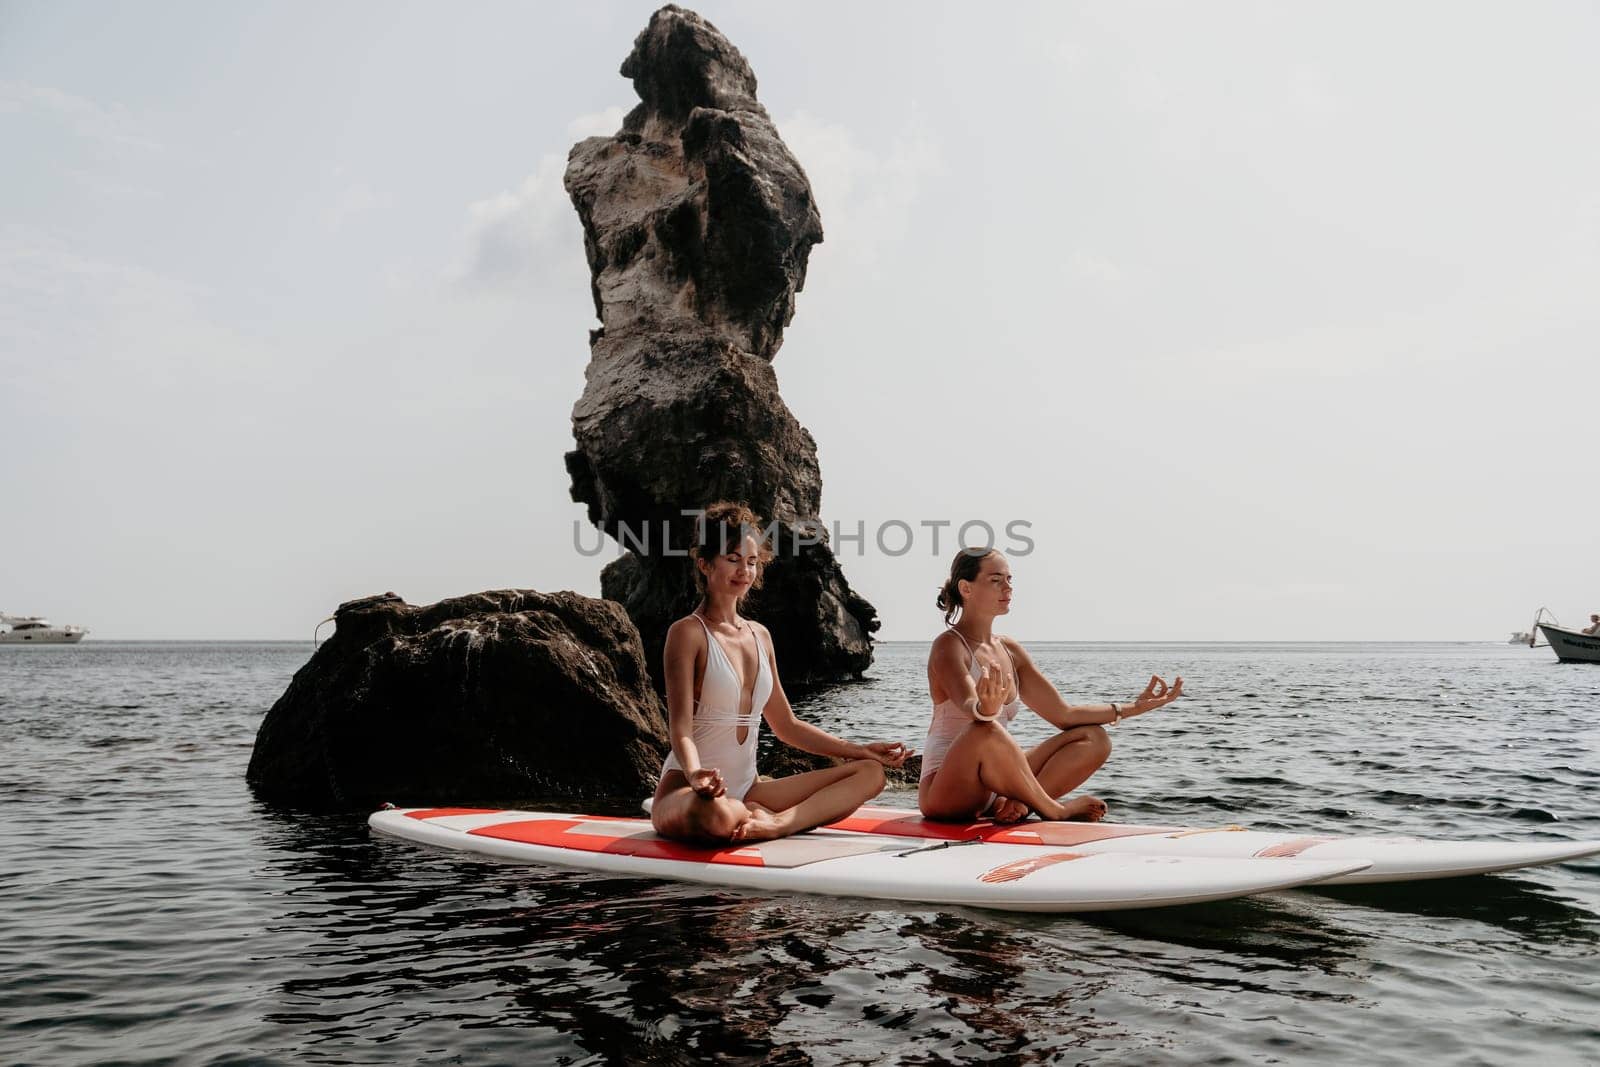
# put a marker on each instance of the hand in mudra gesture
(707, 781)
(991, 690)
(889, 753)
(1157, 694)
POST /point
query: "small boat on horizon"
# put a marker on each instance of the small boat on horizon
(37, 630)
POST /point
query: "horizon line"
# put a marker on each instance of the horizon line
(875, 641)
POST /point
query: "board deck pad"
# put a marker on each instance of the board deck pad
(635, 837)
(901, 823)
(627, 839)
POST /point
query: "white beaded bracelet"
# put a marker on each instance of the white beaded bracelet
(977, 712)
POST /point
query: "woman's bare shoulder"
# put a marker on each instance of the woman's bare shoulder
(686, 629)
(1011, 643)
(943, 645)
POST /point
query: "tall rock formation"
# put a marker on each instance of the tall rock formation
(698, 222)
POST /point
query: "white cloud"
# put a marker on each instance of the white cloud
(597, 124)
(104, 187)
(353, 200)
(512, 235)
(101, 339)
(1477, 326)
(867, 195)
(1311, 95)
(530, 230)
(112, 126)
(1082, 264)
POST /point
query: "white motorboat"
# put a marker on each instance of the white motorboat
(1570, 646)
(35, 630)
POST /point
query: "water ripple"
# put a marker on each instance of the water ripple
(154, 910)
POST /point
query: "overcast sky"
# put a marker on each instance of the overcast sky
(1274, 321)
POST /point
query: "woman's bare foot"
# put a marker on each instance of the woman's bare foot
(1085, 809)
(1006, 810)
(761, 825)
(1078, 809)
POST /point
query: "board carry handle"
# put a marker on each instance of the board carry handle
(941, 844)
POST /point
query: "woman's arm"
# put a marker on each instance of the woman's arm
(684, 644)
(792, 730)
(1042, 697)
(949, 673)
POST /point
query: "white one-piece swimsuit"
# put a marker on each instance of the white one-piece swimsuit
(950, 718)
(717, 721)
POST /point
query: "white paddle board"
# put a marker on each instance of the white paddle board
(1392, 858)
(1004, 876)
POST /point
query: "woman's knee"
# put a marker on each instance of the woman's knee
(870, 773)
(992, 735)
(1099, 741)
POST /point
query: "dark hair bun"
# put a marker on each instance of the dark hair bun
(964, 567)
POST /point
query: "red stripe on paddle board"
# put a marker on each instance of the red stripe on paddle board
(1010, 872)
(439, 813)
(1289, 849)
(900, 824)
(555, 833)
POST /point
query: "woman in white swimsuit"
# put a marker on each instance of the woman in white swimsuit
(708, 790)
(978, 680)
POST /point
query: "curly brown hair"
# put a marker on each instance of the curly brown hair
(721, 528)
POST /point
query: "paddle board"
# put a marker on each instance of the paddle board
(1392, 858)
(877, 865)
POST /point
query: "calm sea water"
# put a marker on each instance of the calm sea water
(153, 911)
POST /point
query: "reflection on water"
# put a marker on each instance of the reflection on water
(1263, 934)
(155, 910)
(1512, 901)
(628, 969)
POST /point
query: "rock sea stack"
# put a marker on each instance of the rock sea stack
(697, 224)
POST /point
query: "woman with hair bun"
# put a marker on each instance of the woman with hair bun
(971, 765)
(722, 680)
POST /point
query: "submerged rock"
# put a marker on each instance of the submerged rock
(491, 698)
(698, 223)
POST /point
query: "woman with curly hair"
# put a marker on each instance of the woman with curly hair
(722, 680)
